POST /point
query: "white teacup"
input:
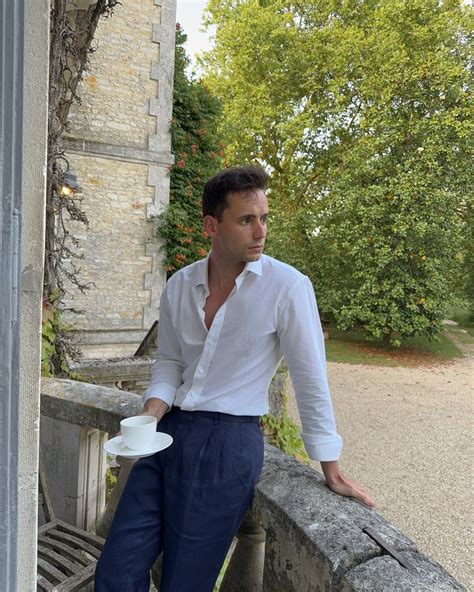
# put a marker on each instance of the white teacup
(138, 432)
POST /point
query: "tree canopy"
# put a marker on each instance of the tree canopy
(361, 111)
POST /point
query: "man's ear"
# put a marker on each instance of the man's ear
(210, 225)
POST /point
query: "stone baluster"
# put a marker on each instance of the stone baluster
(156, 572)
(245, 570)
(105, 521)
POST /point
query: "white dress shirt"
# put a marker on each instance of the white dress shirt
(271, 313)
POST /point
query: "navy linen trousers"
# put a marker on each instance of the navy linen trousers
(187, 501)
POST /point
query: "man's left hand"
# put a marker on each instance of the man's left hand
(342, 485)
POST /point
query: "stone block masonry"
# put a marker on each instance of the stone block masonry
(119, 145)
(118, 87)
(114, 247)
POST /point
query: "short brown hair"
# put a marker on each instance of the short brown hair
(230, 180)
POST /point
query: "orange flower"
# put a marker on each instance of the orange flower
(180, 257)
(202, 252)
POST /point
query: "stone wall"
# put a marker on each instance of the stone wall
(119, 146)
(116, 91)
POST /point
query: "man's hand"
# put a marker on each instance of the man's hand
(341, 484)
(153, 407)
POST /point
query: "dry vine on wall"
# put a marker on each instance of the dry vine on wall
(73, 24)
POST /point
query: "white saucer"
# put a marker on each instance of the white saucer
(116, 447)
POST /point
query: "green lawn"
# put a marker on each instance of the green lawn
(355, 347)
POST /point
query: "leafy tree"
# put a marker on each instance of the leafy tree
(362, 112)
(198, 155)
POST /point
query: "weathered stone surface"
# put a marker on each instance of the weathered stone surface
(126, 373)
(121, 152)
(245, 569)
(116, 196)
(276, 394)
(314, 536)
(115, 369)
(75, 465)
(384, 574)
(115, 92)
(105, 521)
(87, 404)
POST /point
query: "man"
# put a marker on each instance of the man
(225, 323)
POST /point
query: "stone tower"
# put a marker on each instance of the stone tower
(119, 146)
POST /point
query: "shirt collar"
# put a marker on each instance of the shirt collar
(201, 275)
(254, 266)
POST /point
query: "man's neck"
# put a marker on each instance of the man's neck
(223, 273)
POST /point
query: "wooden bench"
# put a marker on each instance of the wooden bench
(67, 555)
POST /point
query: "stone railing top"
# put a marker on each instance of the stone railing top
(113, 368)
(315, 539)
(88, 404)
(315, 530)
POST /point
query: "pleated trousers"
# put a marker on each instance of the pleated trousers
(187, 501)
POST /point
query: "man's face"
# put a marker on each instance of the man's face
(240, 235)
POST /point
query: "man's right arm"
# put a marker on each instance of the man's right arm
(168, 368)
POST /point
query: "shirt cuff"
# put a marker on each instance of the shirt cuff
(324, 450)
(161, 390)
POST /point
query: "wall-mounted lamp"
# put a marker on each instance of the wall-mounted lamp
(69, 185)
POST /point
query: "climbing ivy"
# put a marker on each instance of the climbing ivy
(199, 155)
(54, 334)
(285, 435)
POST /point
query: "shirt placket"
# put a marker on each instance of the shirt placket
(192, 399)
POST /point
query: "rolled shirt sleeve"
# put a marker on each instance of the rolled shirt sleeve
(166, 376)
(302, 345)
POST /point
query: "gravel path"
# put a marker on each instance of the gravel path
(408, 439)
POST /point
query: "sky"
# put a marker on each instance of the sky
(188, 15)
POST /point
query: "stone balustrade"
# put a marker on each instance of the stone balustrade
(298, 536)
(129, 373)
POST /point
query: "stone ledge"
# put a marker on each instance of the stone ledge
(87, 404)
(109, 336)
(384, 573)
(115, 151)
(315, 539)
(115, 369)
